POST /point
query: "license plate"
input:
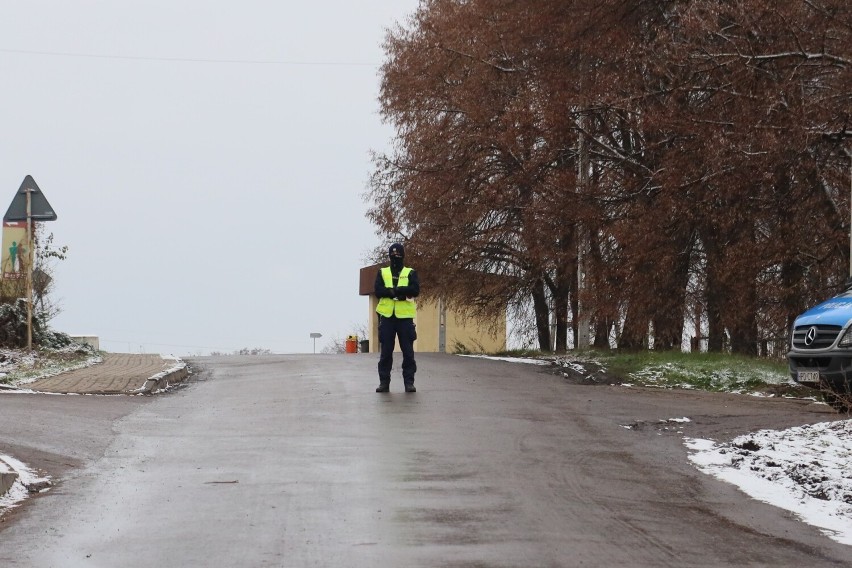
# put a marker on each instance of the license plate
(808, 376)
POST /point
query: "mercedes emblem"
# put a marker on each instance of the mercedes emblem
(810, 336)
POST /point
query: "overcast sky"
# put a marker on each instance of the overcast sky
(207, 161)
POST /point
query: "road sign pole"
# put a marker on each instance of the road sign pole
(314, 336)
(29, 205)
(29, 272)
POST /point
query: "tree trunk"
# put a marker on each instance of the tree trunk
(561, 303)
(602, 328)
(542, 321)
(603, 291)
(744, 341)
(670, 310)
(634, 336)
(742, 318)
(714, 299)
(791, 276)
(744, 333)
(560, 307)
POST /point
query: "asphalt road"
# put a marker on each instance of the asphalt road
(295, 461)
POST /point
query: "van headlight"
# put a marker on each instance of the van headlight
(846, 340)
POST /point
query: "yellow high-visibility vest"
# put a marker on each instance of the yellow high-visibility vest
(387, 307)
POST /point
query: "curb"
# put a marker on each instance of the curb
(8, 477)
(162, 380)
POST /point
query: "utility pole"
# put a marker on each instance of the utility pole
(849, 154)
(583, 319)
(442, 326)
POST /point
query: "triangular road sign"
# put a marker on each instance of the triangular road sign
(40, 209)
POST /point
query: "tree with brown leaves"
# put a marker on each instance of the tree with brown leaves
(688, 158)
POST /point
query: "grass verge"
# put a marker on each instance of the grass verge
(20, 367)
(673, 369)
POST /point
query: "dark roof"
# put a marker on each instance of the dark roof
(367, 279)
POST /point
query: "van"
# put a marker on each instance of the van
(820, 353)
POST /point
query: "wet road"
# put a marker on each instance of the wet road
(295, 461)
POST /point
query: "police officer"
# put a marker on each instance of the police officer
(396, 287)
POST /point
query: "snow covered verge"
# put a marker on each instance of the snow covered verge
(22, 367)
(27, 482)
(806, 470)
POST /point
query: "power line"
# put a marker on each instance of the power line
(208, 347)
(191, 59)
(134, 342)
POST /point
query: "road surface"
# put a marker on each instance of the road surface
(296, 461)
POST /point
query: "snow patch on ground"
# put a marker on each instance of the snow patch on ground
(529, 360)
(806, 470)
(28, 482)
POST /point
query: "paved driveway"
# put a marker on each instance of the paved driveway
(118, 373)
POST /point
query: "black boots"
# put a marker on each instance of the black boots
(386, 388)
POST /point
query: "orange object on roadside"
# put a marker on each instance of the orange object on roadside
(352, 344)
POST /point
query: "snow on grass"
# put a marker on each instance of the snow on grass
(21, 367)
(735, 379)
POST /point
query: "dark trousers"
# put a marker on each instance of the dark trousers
(389, 330)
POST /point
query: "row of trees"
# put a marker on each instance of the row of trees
(689, 160)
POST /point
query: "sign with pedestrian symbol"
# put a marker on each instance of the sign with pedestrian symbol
(15, 250)
(28, 206)
(39, 208)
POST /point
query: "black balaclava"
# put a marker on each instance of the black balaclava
(396, 252)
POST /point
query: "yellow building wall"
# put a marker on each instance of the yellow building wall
(472, 333)
(427, 328)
